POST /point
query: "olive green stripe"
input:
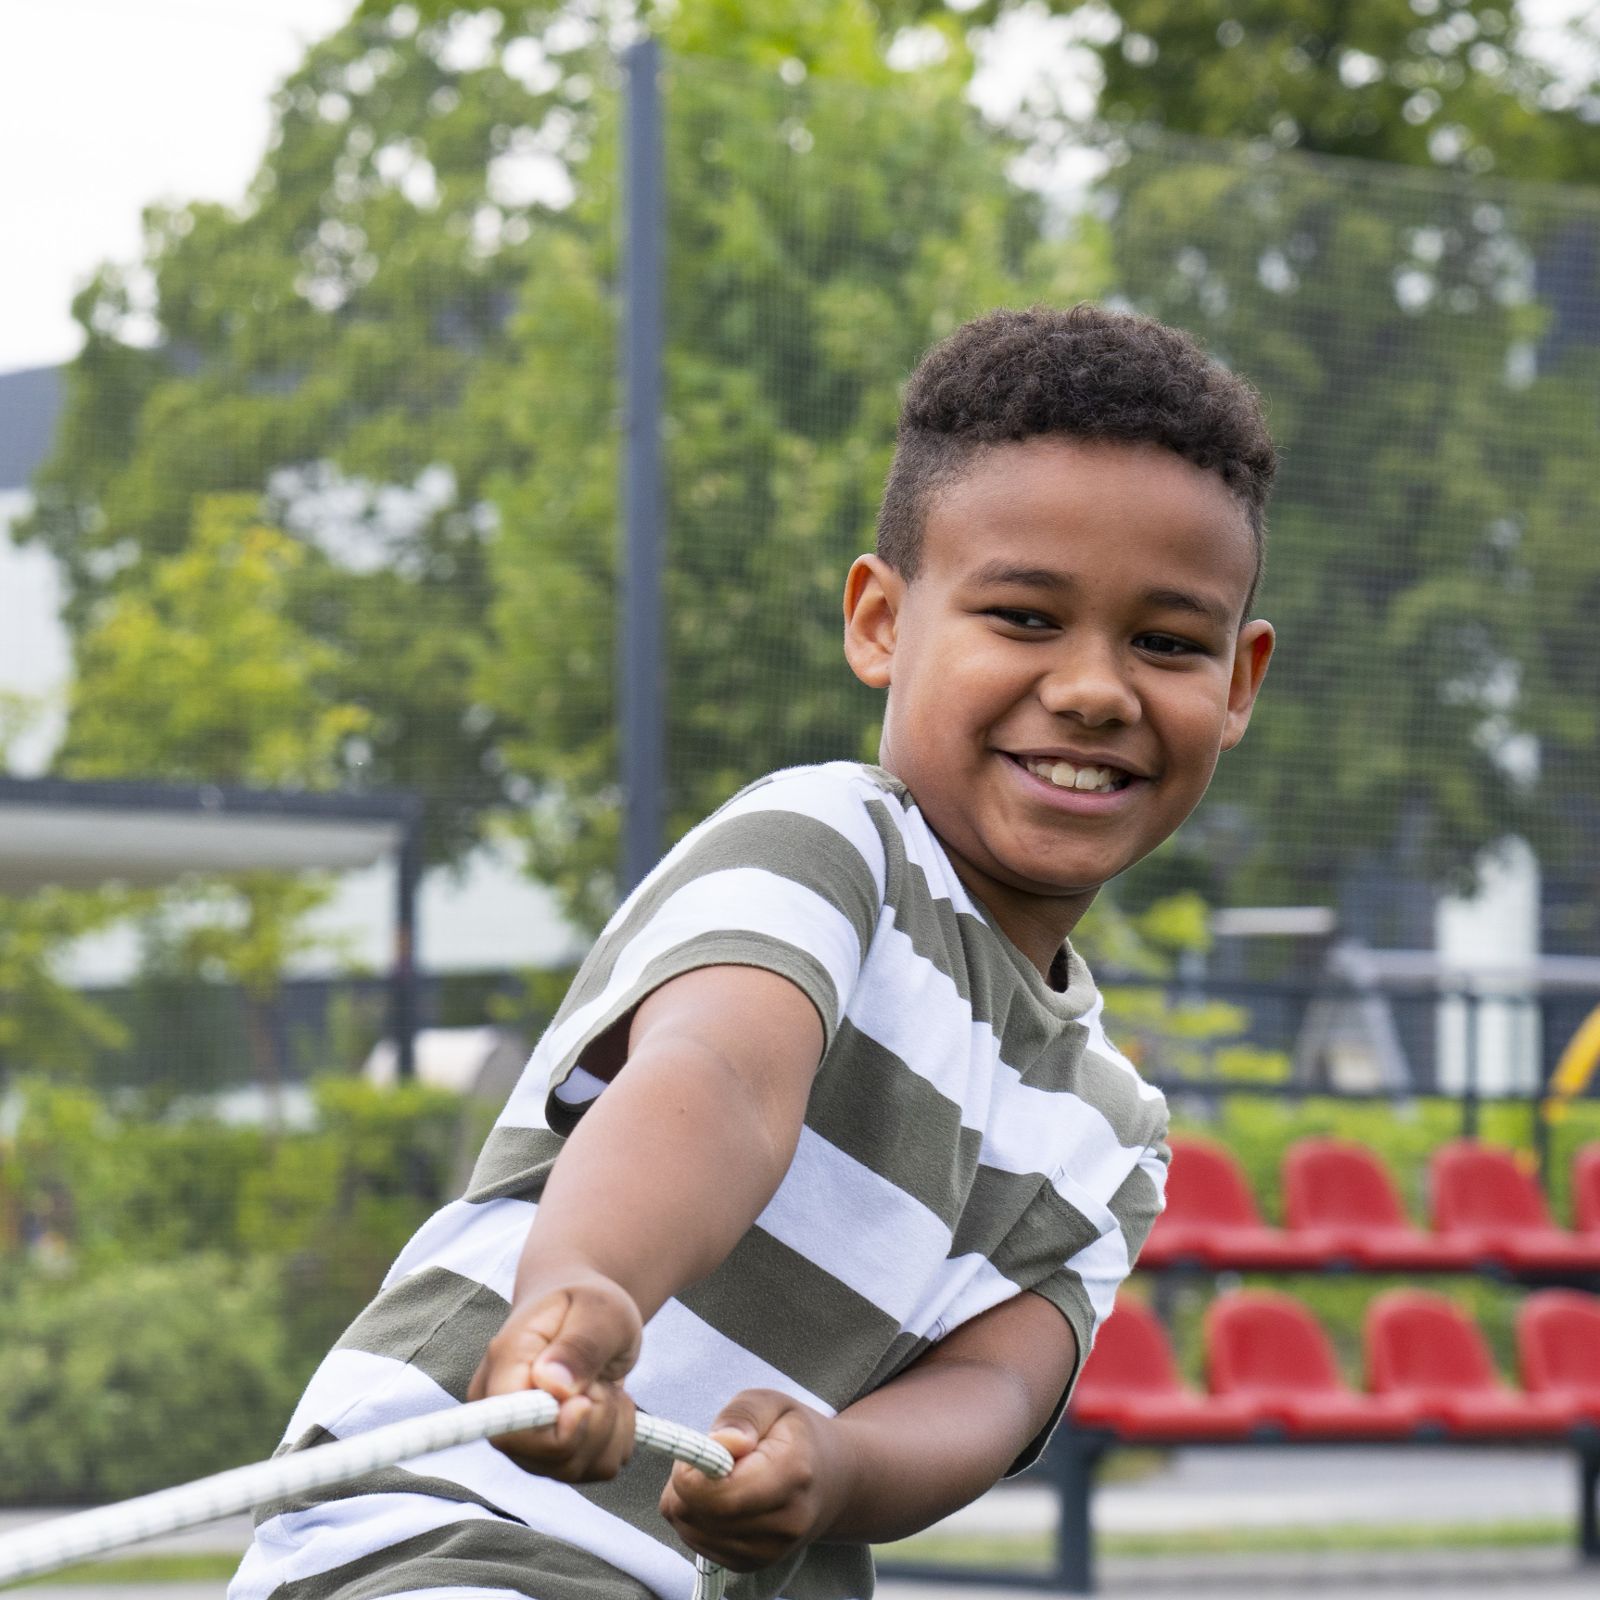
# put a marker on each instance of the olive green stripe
(788, 844)
(386, 1480)
(905, 1349)
(1136, 1205)
(437, 1320)
(514, 1164)
(872, 1106)
(634, 1495)
(1047, 1052)
(1048, 1233)
(719, 947)
(774, 1302)
(1064, 1290)
(474, 1553)
(997, 1206)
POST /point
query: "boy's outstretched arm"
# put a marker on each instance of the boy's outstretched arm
(657, 1183)
(909, 1453)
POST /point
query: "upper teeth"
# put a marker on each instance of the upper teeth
(1066, 776)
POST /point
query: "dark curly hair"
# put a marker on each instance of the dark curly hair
(1084, 373)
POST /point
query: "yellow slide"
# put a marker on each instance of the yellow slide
(1575, 1068)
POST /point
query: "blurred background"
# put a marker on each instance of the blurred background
(313, 654)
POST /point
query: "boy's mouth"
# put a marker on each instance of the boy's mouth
(1085, 779)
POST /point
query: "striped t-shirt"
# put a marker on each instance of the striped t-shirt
(970, 1134)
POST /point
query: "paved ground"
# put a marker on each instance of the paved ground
(1200, 1489)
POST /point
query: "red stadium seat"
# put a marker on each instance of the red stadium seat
(1558, 1349)
(1488, 1204)
(1422, 1348)
(1268, 1350)
(1586, 1190)
(1340, 1200)
(1130, 1384)
(1211, 1217)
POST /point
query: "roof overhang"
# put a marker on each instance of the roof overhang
(56, 832)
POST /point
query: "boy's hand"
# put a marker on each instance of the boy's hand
(576, 1341)
(791, 1475)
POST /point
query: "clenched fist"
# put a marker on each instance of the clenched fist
(791, 1476)
(576, 1339)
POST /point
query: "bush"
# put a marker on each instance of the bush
(171, 1284)
(120, 1382)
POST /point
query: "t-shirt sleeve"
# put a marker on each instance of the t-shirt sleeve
(788, 877)
(1078, 1276)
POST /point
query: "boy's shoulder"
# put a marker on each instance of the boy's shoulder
(824, 808)
(823, 784)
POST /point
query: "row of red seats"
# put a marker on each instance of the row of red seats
(1271, 1371)
(1341, 1207)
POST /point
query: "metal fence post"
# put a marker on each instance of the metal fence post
(403, 1002)
(641, 689)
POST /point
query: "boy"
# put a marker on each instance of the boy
(826, 1149)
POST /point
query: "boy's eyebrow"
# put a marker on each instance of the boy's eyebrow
(1002, 572)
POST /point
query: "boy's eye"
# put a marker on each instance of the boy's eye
(1164, 644)
(1028, 621)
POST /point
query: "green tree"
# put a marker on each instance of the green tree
(404, 347)
(815, 251)
(1426, 390)
(198, 671)
(45, 1022)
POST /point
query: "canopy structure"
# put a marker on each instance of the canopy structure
(59, 832)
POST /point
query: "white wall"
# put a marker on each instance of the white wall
(34, 657)
(489, 916)
(1480, 937)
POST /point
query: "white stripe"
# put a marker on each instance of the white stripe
(481, 1240)
(818, 793)
(864, 1230)
(1155, 1169)
(912, 1009)
(1094, 1020)
(579, 1087)
(689, 1371)
(1102, 1266)
(303, 1544)
(388, 1391)
(731, 902)
(455, 1592)
(966, 1286)
(353, 1391)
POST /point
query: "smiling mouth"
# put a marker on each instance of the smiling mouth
(1085, 780)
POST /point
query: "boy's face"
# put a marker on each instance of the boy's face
(1065, 667)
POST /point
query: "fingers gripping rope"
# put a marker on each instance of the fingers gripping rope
(89, 1533)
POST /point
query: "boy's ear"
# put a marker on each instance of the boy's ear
(1251, 653)
(872, 595)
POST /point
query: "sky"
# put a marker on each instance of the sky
(108, 105)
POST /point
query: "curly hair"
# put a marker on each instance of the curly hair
(1083, 373)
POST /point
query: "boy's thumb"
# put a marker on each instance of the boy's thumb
(595, 1337)
(743, 1423)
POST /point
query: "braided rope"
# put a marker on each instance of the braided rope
(64, 1540)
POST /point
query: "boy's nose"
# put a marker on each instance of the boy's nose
(1088, 686)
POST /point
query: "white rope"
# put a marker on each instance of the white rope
(64, 1540)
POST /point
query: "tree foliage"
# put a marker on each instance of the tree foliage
(402, 351)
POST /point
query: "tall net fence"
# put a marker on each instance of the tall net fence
(334, 504)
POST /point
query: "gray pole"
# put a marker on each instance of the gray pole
(403, 979)
(641, 689)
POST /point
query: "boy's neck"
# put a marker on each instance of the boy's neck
(1038, 925)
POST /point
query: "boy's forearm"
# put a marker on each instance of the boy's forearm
(657, 1183)
(924, 1446)
(680, 1154)
(945, 1431)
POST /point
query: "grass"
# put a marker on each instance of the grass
(1035, 1552)
(202, 1567)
